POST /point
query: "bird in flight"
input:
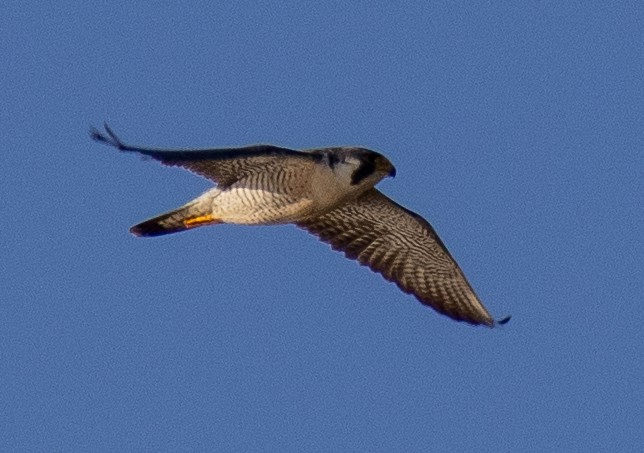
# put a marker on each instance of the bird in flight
(330, 193)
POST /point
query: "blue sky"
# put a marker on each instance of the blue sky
(516, 130)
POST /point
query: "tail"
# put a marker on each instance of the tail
(181, 219)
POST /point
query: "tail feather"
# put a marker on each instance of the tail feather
(181, 219)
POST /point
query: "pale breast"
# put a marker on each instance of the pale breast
(270, 197)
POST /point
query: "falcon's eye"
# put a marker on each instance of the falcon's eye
(366, 168)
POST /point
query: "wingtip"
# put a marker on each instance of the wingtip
(503, 321)
(96, 135)
(108, 137)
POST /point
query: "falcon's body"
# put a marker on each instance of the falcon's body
(329, 192)
(286, 193)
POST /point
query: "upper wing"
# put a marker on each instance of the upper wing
(223, 166)
(405, 249)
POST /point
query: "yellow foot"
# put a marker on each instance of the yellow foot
(200, 221)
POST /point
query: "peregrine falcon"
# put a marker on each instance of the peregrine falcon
(330, 193)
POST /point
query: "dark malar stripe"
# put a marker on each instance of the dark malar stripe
(367, 168)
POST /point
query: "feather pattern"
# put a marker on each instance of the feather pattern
(404, 249)
(224, 166)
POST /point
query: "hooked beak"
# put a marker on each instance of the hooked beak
(386, 167)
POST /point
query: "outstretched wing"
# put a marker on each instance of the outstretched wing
(405, 249)
(223, 166)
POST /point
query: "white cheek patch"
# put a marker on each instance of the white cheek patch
(352, 161)
(344, 170)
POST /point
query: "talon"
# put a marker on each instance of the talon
(200, 220)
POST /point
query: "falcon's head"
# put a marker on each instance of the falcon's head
(371, 165)
(360, 166)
